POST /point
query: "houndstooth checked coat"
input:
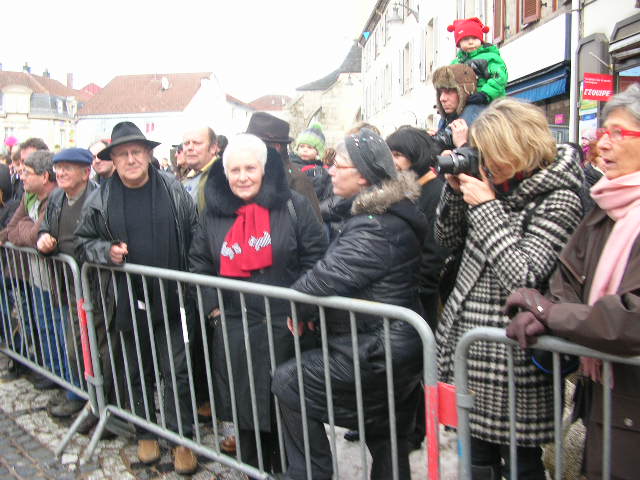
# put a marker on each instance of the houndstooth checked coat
(498, 258)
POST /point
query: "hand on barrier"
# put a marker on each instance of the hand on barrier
(46, 243)
(525, 328)
(118, 252)
(292, 329)
(529, 300)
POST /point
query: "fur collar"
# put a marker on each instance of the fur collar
(274, 191)
(378, 199)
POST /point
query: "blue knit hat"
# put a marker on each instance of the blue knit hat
(74, 155)
(313, 137)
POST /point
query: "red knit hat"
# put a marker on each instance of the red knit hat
(469, 27)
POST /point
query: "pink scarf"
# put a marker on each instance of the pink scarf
(247, 246)
(620, 199)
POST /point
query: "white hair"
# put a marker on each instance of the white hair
(245, 143)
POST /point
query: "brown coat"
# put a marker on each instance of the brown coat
(21, 230)
(611, 325)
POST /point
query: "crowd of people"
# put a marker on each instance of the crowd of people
(485, 221)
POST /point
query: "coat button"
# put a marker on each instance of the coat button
(628, 422)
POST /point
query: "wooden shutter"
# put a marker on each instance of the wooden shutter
(530, 11)
(498, 20)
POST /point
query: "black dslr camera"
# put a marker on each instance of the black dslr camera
(461, 160)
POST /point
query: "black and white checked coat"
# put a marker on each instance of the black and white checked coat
(498, 258)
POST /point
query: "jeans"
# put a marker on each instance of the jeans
(53, 323)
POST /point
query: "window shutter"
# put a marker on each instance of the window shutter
(498, 21)
(530, 11)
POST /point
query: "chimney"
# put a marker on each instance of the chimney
(46, 73)
(70, 80)
(26, 68)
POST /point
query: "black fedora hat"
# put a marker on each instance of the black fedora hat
(125, 132)
(269, 128)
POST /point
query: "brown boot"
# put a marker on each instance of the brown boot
(228, 445)
(148, 451)
(184, 461)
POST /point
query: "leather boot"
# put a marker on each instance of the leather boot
(148, 451)
(184, 461)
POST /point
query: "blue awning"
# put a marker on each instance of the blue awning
(547, 85)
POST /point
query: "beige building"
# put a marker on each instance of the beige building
(333, 101)
(39, 106)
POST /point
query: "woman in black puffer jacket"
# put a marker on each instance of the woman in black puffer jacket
(376, 256)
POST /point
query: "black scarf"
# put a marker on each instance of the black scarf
(164, 251)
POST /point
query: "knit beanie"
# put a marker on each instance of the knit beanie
(469, 27)
(458, 76)
(313, 137)
(417, 145)
(371, 156)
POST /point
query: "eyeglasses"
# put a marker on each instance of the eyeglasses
(59, 168)
(335, 165)
(136, 153)
(27, 173)
(616, 134)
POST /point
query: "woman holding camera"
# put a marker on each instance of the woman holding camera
(511, 223)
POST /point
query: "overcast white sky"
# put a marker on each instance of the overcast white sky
(255, 47)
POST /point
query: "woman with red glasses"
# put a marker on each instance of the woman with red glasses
(595, 292)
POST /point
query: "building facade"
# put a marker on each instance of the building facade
(163, 106)
(38, 106)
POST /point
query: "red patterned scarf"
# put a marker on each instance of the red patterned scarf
(247, 246)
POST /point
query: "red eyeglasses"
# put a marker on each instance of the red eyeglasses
(616, 134)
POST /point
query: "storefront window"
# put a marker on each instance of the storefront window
(627, 77)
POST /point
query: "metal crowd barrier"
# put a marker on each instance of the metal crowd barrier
(39, 320)
(548, 343)
(103, 281)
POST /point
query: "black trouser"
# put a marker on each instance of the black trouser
(487, 454)
(269, 448)
(320, 451)
(164, 367)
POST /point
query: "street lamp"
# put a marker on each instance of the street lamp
(395, 16)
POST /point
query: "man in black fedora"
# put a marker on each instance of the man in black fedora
(275, 133)
(143, 216)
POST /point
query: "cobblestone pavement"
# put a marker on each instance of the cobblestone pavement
(29, 435)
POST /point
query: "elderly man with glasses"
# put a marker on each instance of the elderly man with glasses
(144, 216)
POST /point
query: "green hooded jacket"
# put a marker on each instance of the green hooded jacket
(494, 86)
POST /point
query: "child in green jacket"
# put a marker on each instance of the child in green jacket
(483, 57)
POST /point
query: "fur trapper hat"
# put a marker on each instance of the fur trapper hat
(458, 76)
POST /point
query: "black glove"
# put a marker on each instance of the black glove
(479, 98)
(525, 328)
(528, 300)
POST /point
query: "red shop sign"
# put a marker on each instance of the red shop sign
(597, 86)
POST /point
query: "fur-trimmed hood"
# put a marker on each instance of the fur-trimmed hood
(274, 191)
(396, 196)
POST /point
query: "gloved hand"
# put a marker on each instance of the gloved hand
(525, 328)
(479, 98)
(529, 300)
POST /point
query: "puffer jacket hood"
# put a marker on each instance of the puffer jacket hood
(391, 197)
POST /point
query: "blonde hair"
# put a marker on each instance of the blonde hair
(514, 136)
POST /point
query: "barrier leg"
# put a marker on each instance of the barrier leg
(84, 413)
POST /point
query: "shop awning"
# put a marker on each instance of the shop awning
(539, 87)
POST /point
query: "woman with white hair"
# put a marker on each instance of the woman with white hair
(254, 228)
